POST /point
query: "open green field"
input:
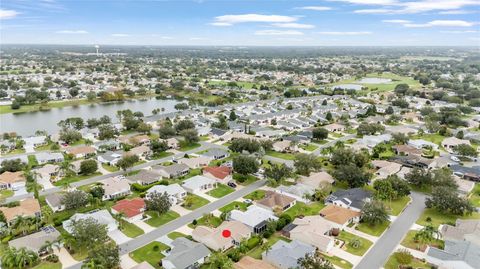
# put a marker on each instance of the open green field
(5, 109)
(396, 79)
(151, 253)
(160, 219)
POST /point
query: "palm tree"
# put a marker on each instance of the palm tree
(9, 258)
(119, 218)
(22, 224)
(424, 236)
(65, 168)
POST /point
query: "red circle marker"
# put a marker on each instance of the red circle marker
(226, 233)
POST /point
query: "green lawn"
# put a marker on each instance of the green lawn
(383, 87)
(257, 251)
(309, 147)
(392, 263)
(131, 230)
(285, 156)
(244, 180)
(437, 218)
(220, 191)
(409, 242)
(256, 195)
(48, 265)
(32, 161)
(157, 220)
(197, 202)
(303, 209)
(207, 220)
(5, 194)
(434, 138)
(338, 262)
(234, 205)
(69, 180)
(376, 230)
(348, 237)
(175, 235)
(160, 155)
(187, 147)
(39, 107)
(150, 253)
(475, 195)
(396, 206)
(110, 168)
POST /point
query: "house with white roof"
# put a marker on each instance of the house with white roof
(101, 216)
(255, 217)
(199, 184)
(174, 191)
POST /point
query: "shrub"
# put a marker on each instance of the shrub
(194, 222)
(156, 248)
(403, 256)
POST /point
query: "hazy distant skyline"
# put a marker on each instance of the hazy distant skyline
(259, 23)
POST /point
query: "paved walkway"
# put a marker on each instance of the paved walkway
(180, 210)
(126, 262)
(361, 234)
(385, 246)
(145, 227)
(185, 230)
(64, 257)
(353, 259)
(206, 196)
(118, 237)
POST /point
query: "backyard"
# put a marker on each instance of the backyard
(257, 251)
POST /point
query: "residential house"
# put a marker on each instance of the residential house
(313, 230)
(172, 171)
(450, 143)
(415, 161)
(464, 230)
(174, 191)
(283, 146)
(213, 238)
(385, 168)
(335, 127)
(48, 171)
(464, 186)
(145, 177)
(185, 254)
(115, 187)
(27, 208)
(222, 174)
(285, 255)
(317, 179)
(255, 218)
(132, 209)
(172, 143)
(195, 162)
(216, 154)
(36, 242)
(340, 216)
(248, 262)
(110, 157)
(406, 150)
(421, 144)
(198, 184)
(140, 151)
(54, 201)
(276, 201)
(101, 216)
(135, 140)
(35, 141)
(455, 255)
(12, 180)
(49, 157)
(353, 199)
(81, 151)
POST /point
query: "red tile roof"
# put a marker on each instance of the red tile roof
(130, 208)
(220, 172)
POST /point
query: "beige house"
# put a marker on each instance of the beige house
(140, 151)
(335, 127)
(172, 143)
(196, 162)
(313, 230)
(317, 179)
(12, 180)
(28, 208)
(276, 201)
(450, 143)
(340, 216)
(115, 187)
(213, 238)
(283, 146)
(81, 151)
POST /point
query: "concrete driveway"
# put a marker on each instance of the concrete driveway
(119, 237)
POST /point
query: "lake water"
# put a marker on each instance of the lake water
(374, 80)
(355, 87)
(25, 124)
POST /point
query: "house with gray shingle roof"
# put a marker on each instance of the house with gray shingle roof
(456, 254)
(285, 255)
(185, 254)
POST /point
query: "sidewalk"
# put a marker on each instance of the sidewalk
(126, 262)
(353, 259)
(361, 234)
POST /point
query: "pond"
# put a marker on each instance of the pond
(374, 80)
(25, 124)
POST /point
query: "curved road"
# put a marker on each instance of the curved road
(386, 244)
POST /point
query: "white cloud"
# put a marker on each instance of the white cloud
(455, 12)
(197, 38)
(440, 23)
(409, 7)
(396, 21)
(367, 2)
(346, 33)
(8, 14)
(374, 11)
(278, 32)
(72, 32)
(316, 8)
(227, 20)
(294, 25)
(459, 32)
(120, 35)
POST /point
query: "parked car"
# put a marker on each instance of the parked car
(455, 159)
(231, 184)
(248, 201)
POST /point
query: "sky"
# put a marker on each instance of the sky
(242, 23)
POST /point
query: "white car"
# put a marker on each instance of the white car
(455, 159)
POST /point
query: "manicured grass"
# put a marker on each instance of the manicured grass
(39, 107)
(300, 209)
(197, 202)
(409, 242)
(247, 179)
(437, 218)
(392, 263)
(158, 220)
(309, 147)
(338, 262)
(207, 220)
(6, 193)
(234, 205)
(131, 230)
(475, 195)
(348, 238)
(15, 151)
(187, 147)
(192, 173)
(161, 155)
(48, 265)
(285, 156)
(434, 138)
(175, 235)
(256, 195)
(220, 191)
(258, 250)
(396, 206)
(376, 230)
(110, 168)
(69, 180)
(396, 79)
(151, 253)
(32, 161)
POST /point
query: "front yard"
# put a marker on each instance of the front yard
(150, 253)
(392, 263)
(302, 209)
(375, 230)
(110, 168)
(70, 180)
(193, 202)
(157, 220)
(280, 155)
(208, 220)
(5, 194)
(475, 195)
(308, 147)
(435, 218)
(355, 245)
(131, 230)
(409, 242)
(220, 191)
(256, 195)
(234, 205)
(187, 147)
(338, 262)
(396, 206)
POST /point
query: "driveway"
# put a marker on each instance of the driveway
(118, 237)
(45, 182)
(385, 246)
